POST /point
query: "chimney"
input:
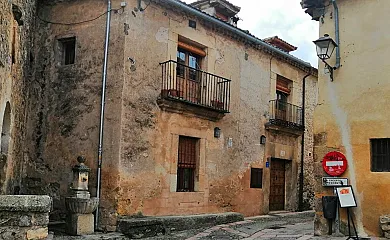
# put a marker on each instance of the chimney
(280, 43)
(220, 9)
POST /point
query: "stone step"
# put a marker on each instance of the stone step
(95, 236)
(153, 226)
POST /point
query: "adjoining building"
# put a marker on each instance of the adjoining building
(200, 115)
(351, 116)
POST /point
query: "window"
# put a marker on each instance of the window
(189, 58)
(256, 177)
(187, 163)
(282, 92)
(380, 155)
(13, 46)
(186, 58)
(68, 50)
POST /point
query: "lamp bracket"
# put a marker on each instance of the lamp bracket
(330, 69)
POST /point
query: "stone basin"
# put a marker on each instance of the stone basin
(81, 205)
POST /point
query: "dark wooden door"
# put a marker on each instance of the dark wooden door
(277, 189)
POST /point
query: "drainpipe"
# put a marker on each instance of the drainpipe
(337, 36)
(103, 97)
(301, 175)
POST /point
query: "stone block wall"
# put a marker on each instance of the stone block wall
(385, 225)
(24, 217)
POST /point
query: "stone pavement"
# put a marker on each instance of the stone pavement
(278, 226)
(260, 227)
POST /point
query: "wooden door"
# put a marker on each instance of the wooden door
(277, 187)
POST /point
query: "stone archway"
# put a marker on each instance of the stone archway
(5, 140)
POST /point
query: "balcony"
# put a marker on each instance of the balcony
(285, 116)
(190, 90)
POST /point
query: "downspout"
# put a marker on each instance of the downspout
(337, 36)
(235, 30)
(301, 175)
(103, 97)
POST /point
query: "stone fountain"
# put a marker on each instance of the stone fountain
(80, 206)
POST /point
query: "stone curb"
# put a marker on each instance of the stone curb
(283, 215)
(152, 226)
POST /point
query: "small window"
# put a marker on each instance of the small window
(187, 163)
(68, 50)
(192, 24)
(13, 46)
(380, 155)
(256, 177)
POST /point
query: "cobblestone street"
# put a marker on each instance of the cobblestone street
(284, 226)
(279, 226)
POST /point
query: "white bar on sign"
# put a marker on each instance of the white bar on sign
(334, 163)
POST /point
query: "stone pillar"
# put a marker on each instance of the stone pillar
(24, 217)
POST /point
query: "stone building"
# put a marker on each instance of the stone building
(16, 56)
(351, 116)
(200, 116)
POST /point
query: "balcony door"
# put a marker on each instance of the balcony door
(281, 105)
(188, 75)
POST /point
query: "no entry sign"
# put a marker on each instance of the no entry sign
(334, 163)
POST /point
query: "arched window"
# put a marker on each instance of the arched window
(6, 130)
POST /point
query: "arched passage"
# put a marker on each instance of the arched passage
(6, 130)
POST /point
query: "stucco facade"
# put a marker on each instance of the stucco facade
(352, 109)
(16, 27)
(142, 131)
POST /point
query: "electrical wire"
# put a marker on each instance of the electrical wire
(143, 9)
(76, 23)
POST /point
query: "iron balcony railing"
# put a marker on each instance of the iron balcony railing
(194, 86)
(286, 115)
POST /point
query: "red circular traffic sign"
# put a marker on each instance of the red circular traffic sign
(334, 163)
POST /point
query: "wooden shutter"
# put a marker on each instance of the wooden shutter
(196, 50)
(282, 84)
(256, 177)
(187, 152)
(187, 158)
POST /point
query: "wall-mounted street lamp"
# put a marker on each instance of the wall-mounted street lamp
(263, 140)
(325, 47)
(217, 132)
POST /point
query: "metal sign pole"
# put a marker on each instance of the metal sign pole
(337, 220)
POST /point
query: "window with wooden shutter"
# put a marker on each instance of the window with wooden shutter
(187, 163)
(283, 84)
(256, 177)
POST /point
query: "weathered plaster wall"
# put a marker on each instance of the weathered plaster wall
(66, 103)
(140, 150)
(15, 79)
(150, 136)
(352, 108)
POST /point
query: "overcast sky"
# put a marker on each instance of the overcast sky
(283, 18)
